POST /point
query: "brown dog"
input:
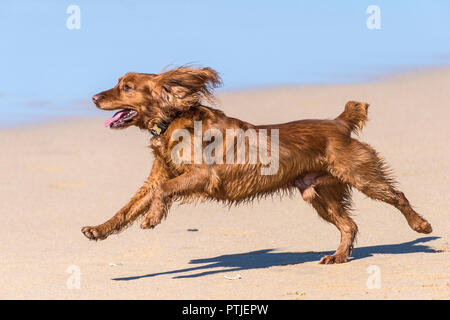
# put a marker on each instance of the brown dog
(319, 157)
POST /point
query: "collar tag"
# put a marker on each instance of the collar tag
(156, 131)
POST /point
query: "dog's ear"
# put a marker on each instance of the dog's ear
(183, 87)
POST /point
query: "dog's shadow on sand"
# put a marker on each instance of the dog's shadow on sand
(270, 258)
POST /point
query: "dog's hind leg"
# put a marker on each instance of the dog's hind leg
(332, 202)
(359, 165)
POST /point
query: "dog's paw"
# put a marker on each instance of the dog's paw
(150, 222)
(93, 233)
(422, 226)
(335, 258)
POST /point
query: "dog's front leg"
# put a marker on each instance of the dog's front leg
(195, 181)
(138, 205)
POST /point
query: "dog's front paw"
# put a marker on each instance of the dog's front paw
(150, 222)
(422, 226)
(94, 233)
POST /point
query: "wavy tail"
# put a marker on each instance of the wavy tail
(355, 115)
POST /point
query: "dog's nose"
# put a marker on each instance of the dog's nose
(96, 98)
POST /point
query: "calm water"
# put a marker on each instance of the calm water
(48, 70)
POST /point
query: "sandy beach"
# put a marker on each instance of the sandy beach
(57, 177)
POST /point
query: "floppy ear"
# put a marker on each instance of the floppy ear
(183, 87)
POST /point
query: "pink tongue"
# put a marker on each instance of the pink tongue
(115, 118)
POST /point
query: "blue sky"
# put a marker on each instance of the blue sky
(48, 69)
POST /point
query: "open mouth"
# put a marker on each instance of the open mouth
(121, 118)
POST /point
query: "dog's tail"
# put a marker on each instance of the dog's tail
(354, 115)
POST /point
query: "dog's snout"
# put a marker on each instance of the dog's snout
(97, 98)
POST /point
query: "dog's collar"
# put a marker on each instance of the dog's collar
(159, 128)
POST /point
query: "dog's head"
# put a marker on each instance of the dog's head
(147, 99)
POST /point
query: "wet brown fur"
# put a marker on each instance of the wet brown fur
(320, 158)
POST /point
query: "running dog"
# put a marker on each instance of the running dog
(320, 158)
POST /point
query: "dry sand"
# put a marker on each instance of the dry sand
(56, 178)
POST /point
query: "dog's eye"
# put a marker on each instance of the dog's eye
(126, 87)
